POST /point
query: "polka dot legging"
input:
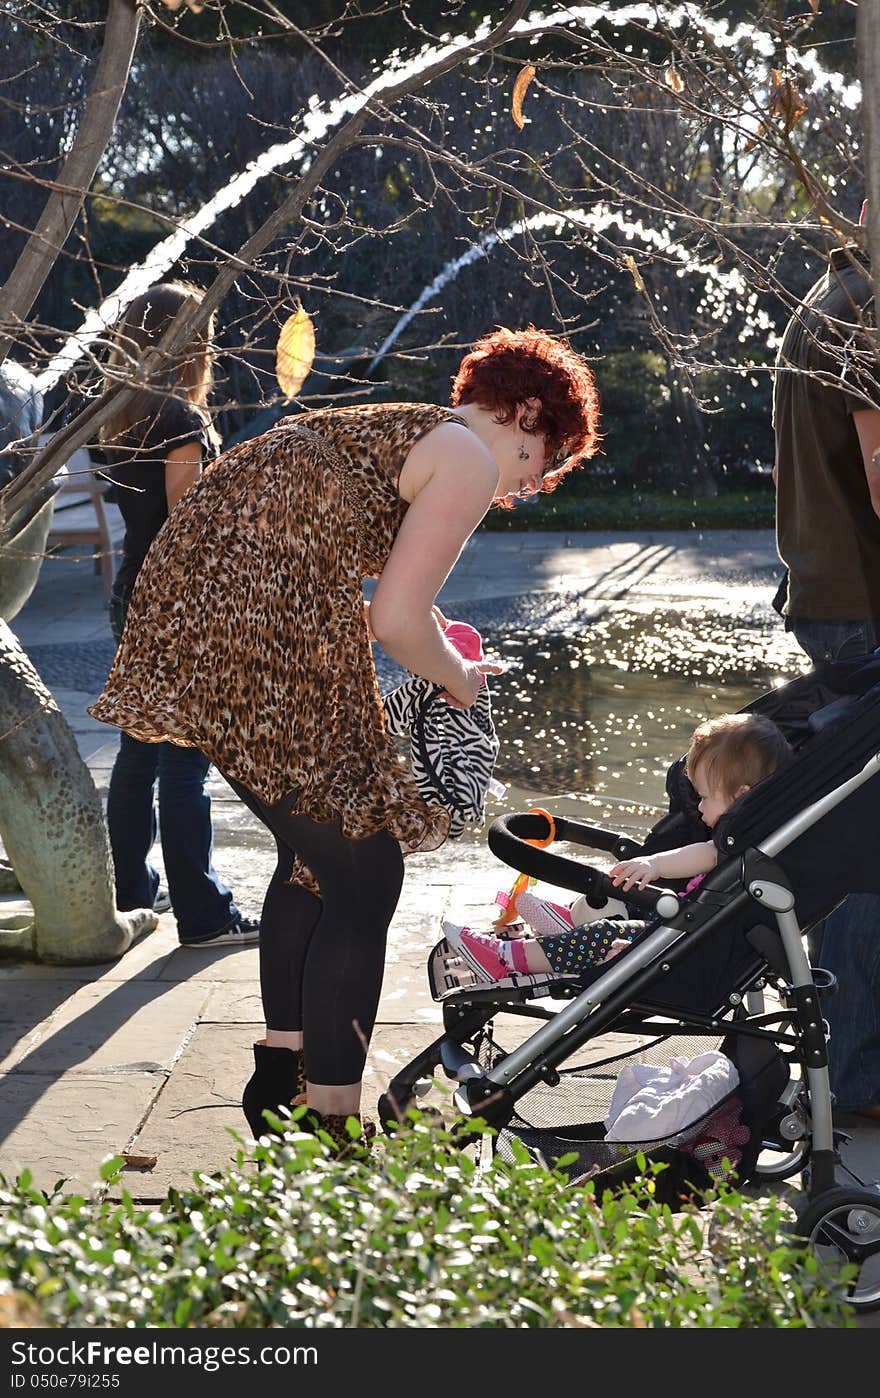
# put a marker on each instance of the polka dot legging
(571, 952)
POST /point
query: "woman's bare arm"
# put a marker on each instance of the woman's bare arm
(456, 483)
(183, 466)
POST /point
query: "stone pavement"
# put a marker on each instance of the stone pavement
(148, 1055)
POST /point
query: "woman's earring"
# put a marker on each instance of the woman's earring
(523, 454)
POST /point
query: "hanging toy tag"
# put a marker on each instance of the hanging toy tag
(524, 881)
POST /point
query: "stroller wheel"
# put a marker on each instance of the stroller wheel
(778, 1160)
(843, 1226)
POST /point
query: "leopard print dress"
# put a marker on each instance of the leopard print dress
(246, 635)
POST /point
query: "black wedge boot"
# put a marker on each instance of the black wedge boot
(279, 1077)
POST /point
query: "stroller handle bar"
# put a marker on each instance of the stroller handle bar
(508, 840)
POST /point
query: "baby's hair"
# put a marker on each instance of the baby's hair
(736, 750)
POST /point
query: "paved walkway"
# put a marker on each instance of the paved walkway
(148, 1055)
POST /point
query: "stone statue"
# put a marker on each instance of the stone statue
(51, 820)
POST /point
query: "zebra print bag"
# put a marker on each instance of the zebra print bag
(452, 752)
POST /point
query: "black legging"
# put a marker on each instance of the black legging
(322, 959)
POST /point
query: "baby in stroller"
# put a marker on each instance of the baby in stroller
(726, 758)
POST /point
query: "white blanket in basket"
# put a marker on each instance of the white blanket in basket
(650, 1102)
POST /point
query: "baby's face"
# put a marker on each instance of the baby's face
(714, 801)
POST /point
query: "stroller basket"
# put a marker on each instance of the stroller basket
(612, 1163)
(567, 1119)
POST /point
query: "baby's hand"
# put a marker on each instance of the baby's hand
(632, 873)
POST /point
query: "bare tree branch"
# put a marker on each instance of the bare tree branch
(189, 320)
(49, 236)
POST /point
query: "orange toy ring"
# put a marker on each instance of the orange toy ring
(521, 883)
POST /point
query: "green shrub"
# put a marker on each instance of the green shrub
(413, 1236)
(635, 420)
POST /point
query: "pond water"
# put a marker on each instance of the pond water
(590, 712)
(590, 722)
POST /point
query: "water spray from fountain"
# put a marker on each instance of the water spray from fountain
(720, 285)
(321, 120)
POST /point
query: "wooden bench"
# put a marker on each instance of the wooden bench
(82, 481)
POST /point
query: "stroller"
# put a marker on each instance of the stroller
(698, 979)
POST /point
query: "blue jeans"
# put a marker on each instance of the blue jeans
(201, 902)
(848, 941)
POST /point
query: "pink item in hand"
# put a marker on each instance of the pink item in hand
(466, 639)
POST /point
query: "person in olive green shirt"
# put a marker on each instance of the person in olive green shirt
(826, 419)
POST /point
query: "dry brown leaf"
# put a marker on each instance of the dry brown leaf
(577, 1322)
(754, 140)
(520, 88)
(19, 1311)
(229, 1316)
(175, 5)
(140, 1162)
(673, 78)
(630, 263)
(786, 103)
(785, 100)
(294, 352)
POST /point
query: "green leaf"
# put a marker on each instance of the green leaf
(570, 1158)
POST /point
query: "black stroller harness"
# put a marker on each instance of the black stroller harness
(789, 851)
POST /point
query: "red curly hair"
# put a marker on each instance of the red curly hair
(506, 368)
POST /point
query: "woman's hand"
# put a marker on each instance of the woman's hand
(473, 680)
(633, 873)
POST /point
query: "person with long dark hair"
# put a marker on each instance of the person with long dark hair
(154, 448)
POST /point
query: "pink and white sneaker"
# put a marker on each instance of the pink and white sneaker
(546, 919)
(481, 951)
